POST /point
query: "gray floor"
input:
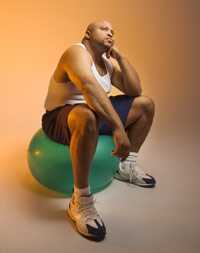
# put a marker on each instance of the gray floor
(163, 219)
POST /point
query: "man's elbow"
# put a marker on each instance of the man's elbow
(139, 93)
(138, 90)
(135, 92)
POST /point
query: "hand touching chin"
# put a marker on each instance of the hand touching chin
(113, 52)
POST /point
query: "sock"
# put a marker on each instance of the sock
(81, 191)
(132, 157)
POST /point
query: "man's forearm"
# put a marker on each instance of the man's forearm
(97, 99)
(131, 81)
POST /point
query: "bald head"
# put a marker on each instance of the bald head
(99, 36)
(91, 26)
(96, 24)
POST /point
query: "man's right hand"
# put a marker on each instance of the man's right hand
(122, 143)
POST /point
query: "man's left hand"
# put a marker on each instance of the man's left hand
(114, 53)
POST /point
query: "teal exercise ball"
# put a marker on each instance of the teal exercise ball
(50, 163)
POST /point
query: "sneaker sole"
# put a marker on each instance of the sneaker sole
(118, 177)
(93, 238)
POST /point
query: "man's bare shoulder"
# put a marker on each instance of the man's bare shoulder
(75, 53)
(75, 63)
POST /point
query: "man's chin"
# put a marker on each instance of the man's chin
(107, 46)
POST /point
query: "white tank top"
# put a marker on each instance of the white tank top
(61, 93)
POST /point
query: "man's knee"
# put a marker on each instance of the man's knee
(146, 103)
(83, 119)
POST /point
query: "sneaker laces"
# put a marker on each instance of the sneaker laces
(134, 171)
(87, 208)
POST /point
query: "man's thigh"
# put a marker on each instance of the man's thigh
(54, 124)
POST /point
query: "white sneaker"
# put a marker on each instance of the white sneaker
(88, 222)
(130, 171)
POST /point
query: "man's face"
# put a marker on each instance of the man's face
(102, 34)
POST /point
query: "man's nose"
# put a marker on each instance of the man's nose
(110, 34)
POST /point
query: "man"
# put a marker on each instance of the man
(78, 109)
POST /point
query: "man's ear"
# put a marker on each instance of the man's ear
(87, 34)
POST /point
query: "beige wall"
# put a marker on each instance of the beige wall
(160, 38)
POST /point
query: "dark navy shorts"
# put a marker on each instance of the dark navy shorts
(54, 123)
(121, 104)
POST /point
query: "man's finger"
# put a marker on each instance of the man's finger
(108, 52)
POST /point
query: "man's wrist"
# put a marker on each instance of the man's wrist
(120, 58)
(118, 125)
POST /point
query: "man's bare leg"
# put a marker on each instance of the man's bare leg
(138, 124)
(83, 126)
(139, 121)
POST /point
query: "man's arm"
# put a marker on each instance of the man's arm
(125, 78)
(76, 62)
